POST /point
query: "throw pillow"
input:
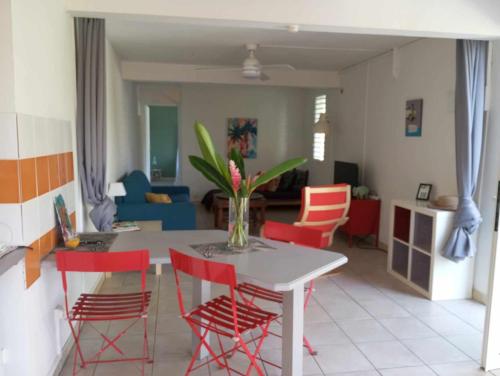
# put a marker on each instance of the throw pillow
(270, 186)
(286, 181)
(158, 198)
(300, 180)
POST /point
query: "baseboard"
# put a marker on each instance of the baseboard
(68, 345)
(479, 296)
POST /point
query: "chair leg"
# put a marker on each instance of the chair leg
(78, 350)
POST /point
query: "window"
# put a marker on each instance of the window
(319, 106)
(319, 146)
(319, 139)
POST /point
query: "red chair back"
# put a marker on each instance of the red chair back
(325, 208)
(76, 261)
(206, 270)
(292, 234)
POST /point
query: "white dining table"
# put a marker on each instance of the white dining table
(285, 268)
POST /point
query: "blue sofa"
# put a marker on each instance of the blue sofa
(179, 215)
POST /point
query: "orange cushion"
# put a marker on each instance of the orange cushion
(158, 198)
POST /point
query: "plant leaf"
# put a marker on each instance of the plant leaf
(222, 167)
(211, 174)
(205, 143)
(276, 171)
(235, 155)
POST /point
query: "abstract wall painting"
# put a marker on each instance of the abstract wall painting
(242, 135)
(413, 118)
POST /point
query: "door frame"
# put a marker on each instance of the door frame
(490, 358)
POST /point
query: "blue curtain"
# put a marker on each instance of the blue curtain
(471, 69)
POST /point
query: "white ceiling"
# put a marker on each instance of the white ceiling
(223, 45)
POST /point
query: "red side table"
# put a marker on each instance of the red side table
(364, 219)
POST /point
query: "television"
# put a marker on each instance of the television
(346, 172)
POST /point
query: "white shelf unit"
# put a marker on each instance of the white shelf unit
(417, 236)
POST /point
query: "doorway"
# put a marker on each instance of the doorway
(163, 143)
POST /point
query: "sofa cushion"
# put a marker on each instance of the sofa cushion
(158, 198)
(300, 181)
(286, 181)
(284, 195)
(136, 184)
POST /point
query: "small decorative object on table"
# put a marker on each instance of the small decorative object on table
(424, 192)
(71, 239)
(232, 179)
(125, 226)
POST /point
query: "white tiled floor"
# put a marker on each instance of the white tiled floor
(362, 322)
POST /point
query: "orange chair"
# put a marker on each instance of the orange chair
(92, 308)
(291, 234)
(325, 208)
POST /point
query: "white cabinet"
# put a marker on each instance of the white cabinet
(417, 235)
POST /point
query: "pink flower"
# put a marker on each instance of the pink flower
(235, 176)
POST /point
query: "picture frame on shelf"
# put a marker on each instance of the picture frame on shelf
(424, 192)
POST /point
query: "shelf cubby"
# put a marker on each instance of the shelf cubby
(401, 253)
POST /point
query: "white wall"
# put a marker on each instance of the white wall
(370, 127)
(280, 114)
(44, 87)
(444, 18)
(6, 58)
(123, 133)
(491, 176)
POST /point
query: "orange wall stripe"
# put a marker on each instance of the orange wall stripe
(32, 263)
(28, 178)
(9, 182)
(24, 179)
(42, 175)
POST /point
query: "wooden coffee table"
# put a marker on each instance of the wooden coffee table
(257, 213)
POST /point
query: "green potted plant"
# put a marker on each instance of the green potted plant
(230, 176)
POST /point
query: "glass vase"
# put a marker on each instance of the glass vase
(238, 222)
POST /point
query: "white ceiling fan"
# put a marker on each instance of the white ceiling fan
(251, 67)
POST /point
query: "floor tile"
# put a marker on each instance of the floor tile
(360, 373)
(408, 371)
(365, 330)
(383, 308)
(325, 334)
(274, 356)
(459, 369)
(472, 344)
(346, 309)
(407, 328)
(448, 325)
(342, 358)
(435, 350)
(388, 354)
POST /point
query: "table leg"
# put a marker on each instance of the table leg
(158, 269)
(201, 294)
(293, 331)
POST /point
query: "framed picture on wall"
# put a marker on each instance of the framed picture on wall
(424, 192)
(242, 135)
(413, 118)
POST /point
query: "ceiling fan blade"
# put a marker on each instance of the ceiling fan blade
(264, 77)
(279, 66)
(221, 68)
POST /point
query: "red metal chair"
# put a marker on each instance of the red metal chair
(325, 208)
(223, 315)
(92, 308)
(291, 234)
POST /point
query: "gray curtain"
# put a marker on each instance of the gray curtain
(91, 119)
(472, 59)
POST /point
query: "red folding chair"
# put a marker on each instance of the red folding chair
(92, 308)
(223, 315)
(291, 234)
(325, 208)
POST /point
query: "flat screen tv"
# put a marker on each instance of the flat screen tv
(346, 172)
